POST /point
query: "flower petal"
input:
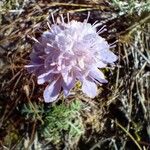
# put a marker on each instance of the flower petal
(89, 88)
(111, 57)
(37, 59)
(107, 56)
(45, 77)
(100, 64)
(51, 92)
(67, 86)
(98, 75)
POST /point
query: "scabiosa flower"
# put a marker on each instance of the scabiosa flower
(69, 52)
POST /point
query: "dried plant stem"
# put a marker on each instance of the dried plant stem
(132, 138)
(83, 9)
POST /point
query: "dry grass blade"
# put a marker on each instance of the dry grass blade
(139, 147)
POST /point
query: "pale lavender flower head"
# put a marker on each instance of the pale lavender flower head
(70, 52)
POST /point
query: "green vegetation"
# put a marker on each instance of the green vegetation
(63, 120)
